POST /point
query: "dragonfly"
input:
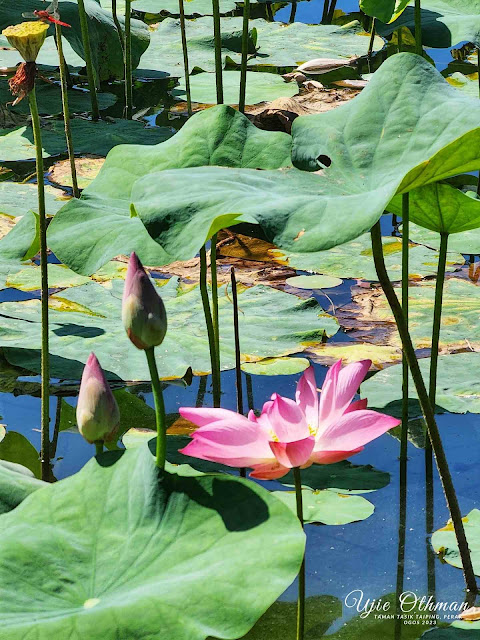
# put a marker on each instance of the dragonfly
(50, 14)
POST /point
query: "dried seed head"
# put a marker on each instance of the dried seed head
(27, 38)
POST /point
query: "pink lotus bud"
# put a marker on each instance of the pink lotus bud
(97, 410)
(143, 312)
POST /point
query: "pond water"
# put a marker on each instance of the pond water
(356, 557)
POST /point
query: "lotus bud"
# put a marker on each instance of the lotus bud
(97, 410)
(143, 312)
(27, 38)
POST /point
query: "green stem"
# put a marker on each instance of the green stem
(185, 56)
(159, 409)
(118, 26)
(405, 274)
(293, 12)
(437, 317)
(56, 430)
(243, 68)
(370, 45)
(66, 110)
(331, 11)
(216, 326)
(128, 61)
(218, 50)
(92, 85)
(325, 12)
(238, 359)
(250, 398)
(209, 323)
(418, 28)
(399, 39)
(301, 576)
(98, 447)
(45, 360)
(427, 409)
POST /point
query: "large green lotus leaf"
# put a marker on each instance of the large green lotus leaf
(445, 543)
(49, 99)
(17, 198)
(466, 83)
(59, 277)
(20, 243)
(117, 533)
(88, 318)
(279, 45)
(105, 45)
(193, 8)
(467, 242)
(261, 87)
(442, 208)
(16, 448)
(445, 23)
(470, 632)
(407, 128)
(354, 260)
(456, 390)
(16, 483)
(283, 366)
(384, 10)
(88, 137)
(90, 231)
(328, 507)
(320, 613)
(460, 318)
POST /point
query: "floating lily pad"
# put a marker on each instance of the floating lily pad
(441, 208)
(104, 42)
(271, 44)
(341, 477)
(192, 7)
(466, 83)
(384, 10)
(16, 483)
(99, 226)
(16, 198)
(467, 242)
(328, 507)
(370, 316)
(88, 318)
(314, 282)
(445, 543)
(261, 87)
(49, 98)
(59, 276)
(87, 170)
(95, 560)
(305, 207)
(452, 633)
(88, 137)
(457, 389)
(445, 23)
(380, 355)
(15, 447)
(276, 366)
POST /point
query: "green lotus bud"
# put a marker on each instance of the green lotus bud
(97, 410)
(143, 312)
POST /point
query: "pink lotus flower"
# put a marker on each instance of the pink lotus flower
(143, 312)
(97, 410)
(292, 433)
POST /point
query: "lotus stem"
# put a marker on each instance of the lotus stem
(56, 429)
(66, 111)
(243, 68)
(427, 409)
(269, 11)
(216, 327)
(325, 11)
(250, 398)
(45, 362)
(370, 45)
(118, 26)
(128, 61)
(159, 409)
(209, 323)
(401, 545)
(217, 34)
(92, 85)
(185, 56)
(301, 576)
(429, 521)
(238, 359)
(399, 39)
(405, 274)
(98, 447)
(418, 28)
(293, 12)
(331, 11)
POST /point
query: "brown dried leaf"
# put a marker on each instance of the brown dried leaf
(87, 169)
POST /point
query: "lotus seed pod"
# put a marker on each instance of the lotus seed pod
(143, 312)
(27, 38)
(97, 410)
